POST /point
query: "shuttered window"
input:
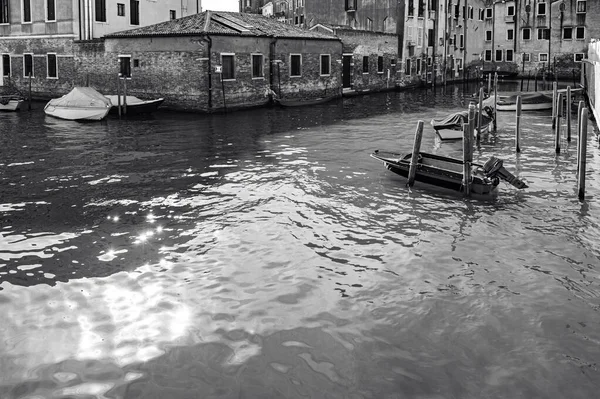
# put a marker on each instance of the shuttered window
(52, 66)
(4, 12)
(5, 65)
(27, 64)
(100, 10)
(50, 10)
(134, 12)
(26, 10)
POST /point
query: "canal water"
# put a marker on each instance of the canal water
(264, 254)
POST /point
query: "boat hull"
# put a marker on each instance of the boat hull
(11, 105)
(524, 107)
(135, 105)
(436, 170)
(450, 134)
(77, 114)
(301, 103)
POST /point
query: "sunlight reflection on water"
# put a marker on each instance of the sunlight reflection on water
(265, 254)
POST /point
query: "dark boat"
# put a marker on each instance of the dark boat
(302, 102)
(447, 172)
(450, 128)
(135, 105)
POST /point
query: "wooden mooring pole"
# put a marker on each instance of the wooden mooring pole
(471, 120)
(518, 125)
(559, 110)
(568, 112)
(119, 94)
(125, 95)
(582, 154)
(579, 109)
(480, 114)
(29, 96)
(467, 159)
(495, 100)
(414, 160)
(554, 92)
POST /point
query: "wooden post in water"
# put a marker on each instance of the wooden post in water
(479, 116)
(490, 83)
(119, 94)
(581, 161)
(518, 125)
(125, 95)
(568, 112)
(467, 159)
(495, 101)
(29, 99)
(535, 81)
(559, 109)
(554, 90)
(471, 120)
(414, 160)
(528, 77)
(579, 109)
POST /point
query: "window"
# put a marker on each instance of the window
(4, 12)
(26, 11)
(120, 9)
(498, 55)
(459, 64)
(541, 8)
(456, 12)
(489, 13)
(408, 71)
(257, 66)
(28, 65)
(325, 64)
(366, 64)
(385, 23)
(50, 11)
(578, 57)
(509, 55)
(369, 24)
(461, 42)
(5, 65)
(393, 62)
(172, 14)
(350, 5)
(100, 10)
(380, 64)
(471, 12)
(418, 66)
(488, 35)
(510, 10)
(125, 66)
(420, 37)
(52, 71)
(134, 12)
(580, 32)
(421, 10)
(581, 6)
(411, 8)
(567, 33)
(430, 38)
(228, 63)
(510, 35)
(526, 57)
(295, 65)
(481, 14)
(526, 33)
(543, 33)
(488, 55)
(543, 57)
(136, 63)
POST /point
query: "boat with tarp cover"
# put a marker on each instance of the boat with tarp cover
(81, 103)
(450, 128)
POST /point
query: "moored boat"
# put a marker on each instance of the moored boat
(450, 128)
(135, 105)
(10, 103)
(529, 102)
(81, 103)
(302, 102)
(447, 172)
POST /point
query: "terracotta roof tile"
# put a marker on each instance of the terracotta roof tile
(224, 23)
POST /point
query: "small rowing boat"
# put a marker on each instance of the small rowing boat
(450, 128)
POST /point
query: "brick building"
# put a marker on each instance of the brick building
(43, 41)
(216, 60)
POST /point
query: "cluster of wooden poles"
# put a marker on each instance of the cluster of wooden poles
(558, 112)
(122, 107)
(562, 109)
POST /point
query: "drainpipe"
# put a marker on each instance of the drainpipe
(272, 55)
(208, 40)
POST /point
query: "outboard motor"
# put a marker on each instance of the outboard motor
(494, 168)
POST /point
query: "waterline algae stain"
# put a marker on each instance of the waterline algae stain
(264, 254)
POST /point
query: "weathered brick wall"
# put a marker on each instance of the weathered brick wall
(310, 84)
(41, 85)
(370, 44)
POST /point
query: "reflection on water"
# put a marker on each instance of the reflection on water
(263, 253)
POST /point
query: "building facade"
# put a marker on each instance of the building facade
(40, 42)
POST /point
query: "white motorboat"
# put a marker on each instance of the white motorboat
(134, 105)
(81, 103)
(10, 103)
